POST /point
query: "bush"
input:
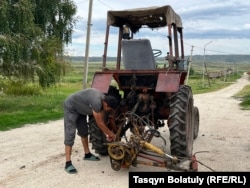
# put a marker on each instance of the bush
(19, 88)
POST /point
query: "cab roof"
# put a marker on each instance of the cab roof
(152, 17)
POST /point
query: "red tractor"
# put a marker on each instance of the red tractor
(151, 95)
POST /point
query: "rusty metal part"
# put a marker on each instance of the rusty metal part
(116, 165)
(156, 164)
(116, 151)
(194, 164)
(126, 154)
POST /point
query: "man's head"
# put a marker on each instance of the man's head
(111, 101)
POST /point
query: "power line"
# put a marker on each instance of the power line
(200, 48)
(105, 4)
(215, 51)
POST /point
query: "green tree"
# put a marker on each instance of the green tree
(32, 38)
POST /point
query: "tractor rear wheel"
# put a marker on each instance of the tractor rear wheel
(181, 122)
(97, 138)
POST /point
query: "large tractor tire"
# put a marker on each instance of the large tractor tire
(181, 122)
(97, 138)
(196, 121)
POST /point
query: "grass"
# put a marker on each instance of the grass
(198, 86)
(244, 96)
(17, 111)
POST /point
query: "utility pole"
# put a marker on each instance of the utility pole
(89, 24)
(204, 65)
(189, 64)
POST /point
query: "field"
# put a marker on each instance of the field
(47, 105)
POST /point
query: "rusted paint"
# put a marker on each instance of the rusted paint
(168, 82)
(194, 165)
(102, 82)
(151, 163)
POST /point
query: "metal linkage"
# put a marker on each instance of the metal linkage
(124, 154)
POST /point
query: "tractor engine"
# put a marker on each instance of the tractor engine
(146, 104)
(142, 104)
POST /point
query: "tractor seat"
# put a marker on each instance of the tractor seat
(137, 54)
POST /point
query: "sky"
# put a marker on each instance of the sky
(214, 27)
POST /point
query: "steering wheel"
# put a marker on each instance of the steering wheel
(156, 52)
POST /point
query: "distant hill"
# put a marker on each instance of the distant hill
(211, 58)
(91, 59)
(223, 58)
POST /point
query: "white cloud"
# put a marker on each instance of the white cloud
(246, 26)
(225, 22)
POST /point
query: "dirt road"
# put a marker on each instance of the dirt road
(33, 156)
(224, 130)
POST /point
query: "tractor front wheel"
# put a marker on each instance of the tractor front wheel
(196, 121)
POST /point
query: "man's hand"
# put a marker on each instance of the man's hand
(100, 123)
(110, 138)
